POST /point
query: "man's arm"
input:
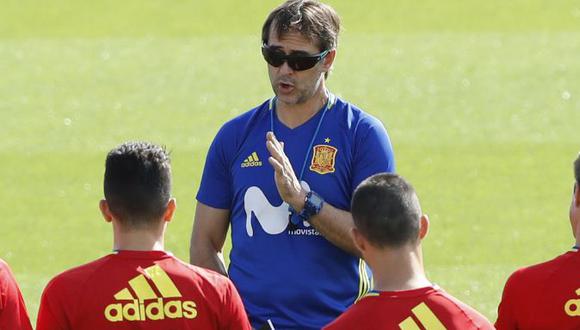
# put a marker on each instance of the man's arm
(334, 224)
(210, 226)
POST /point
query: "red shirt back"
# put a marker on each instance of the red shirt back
(543, 296)
(425, 308)
(140, 290)
(13, 314)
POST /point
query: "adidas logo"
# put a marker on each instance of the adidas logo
(142, 303)
(252, 161)
(425, 316)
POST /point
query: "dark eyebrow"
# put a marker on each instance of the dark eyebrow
(300, 52)
(293, 52)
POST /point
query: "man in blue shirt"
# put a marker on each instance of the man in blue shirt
(283, 173)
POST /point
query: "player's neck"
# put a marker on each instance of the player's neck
(146, 239)
(398, 269)
(294, 115)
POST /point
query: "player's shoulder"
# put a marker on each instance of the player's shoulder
(456, 312)
(358, 314)
(541, 271)
(5, 273)
(76, 276)
(354, 117)
(4, 268)
(247, 118)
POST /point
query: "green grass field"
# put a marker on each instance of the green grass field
(481, 100)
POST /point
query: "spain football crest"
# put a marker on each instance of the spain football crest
(323, 159)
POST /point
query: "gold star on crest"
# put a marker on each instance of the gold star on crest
(327, 140)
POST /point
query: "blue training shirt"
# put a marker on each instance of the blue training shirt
(292, 275)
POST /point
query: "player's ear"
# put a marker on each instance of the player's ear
(358, 239)
(105, 210)
(577, 194)
(329, 60)
(423, 226)
(169, 210)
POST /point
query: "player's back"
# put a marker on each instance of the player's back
(425, 308)
(543, 296)
(140, 290)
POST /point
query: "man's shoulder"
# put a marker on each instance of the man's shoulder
(541, 271)
(77, 275)
(354, 116)
(456, 311)
(242, 120)
(6, 277)
(4, 269)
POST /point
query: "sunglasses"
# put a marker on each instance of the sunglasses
(296, 62)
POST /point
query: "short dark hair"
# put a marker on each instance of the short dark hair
(386, 210)
(577, 169)
(316, 21)
(137, 182)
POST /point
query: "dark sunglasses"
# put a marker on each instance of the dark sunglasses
(296, 62)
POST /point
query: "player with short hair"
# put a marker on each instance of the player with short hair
(283, 173)
(13, 314)
(546, 295)
(139, 285)
(390, 227)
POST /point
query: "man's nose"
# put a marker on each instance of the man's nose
(285, 68)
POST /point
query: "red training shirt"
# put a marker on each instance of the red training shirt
(543, 296)
(140, 290)
(13, 314)
(425, 308)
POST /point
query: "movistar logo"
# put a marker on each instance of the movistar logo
(142, 303)
(252, 161)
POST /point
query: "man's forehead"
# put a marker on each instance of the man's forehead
(292, 40)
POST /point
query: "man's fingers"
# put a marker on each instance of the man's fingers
(274, 152)
(272, 138)
(278, 168)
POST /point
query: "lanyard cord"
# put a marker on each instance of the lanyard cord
(328, 105)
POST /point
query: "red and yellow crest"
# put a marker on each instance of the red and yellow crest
(323, 159)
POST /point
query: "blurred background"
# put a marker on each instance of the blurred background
(481, 101)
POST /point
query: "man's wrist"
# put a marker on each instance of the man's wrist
(313, 204)
(298, 203)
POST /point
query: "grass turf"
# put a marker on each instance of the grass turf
(480, 101)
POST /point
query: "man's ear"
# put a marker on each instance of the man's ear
(169, 210)
(358, 239)
(576, 195)
(423, 226)
(105, 210)
(329, 60)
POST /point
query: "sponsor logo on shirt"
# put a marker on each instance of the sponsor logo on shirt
(140, 302)
(273, 219)
(425, 317)
(251, 161)
(572, 306)
(323, 159)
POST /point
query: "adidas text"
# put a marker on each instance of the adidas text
(155, 310)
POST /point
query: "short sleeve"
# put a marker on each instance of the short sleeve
(506, 318)
(51, 313)
(373, 151)
(237, 318)
(215, 189)
(13, 314)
